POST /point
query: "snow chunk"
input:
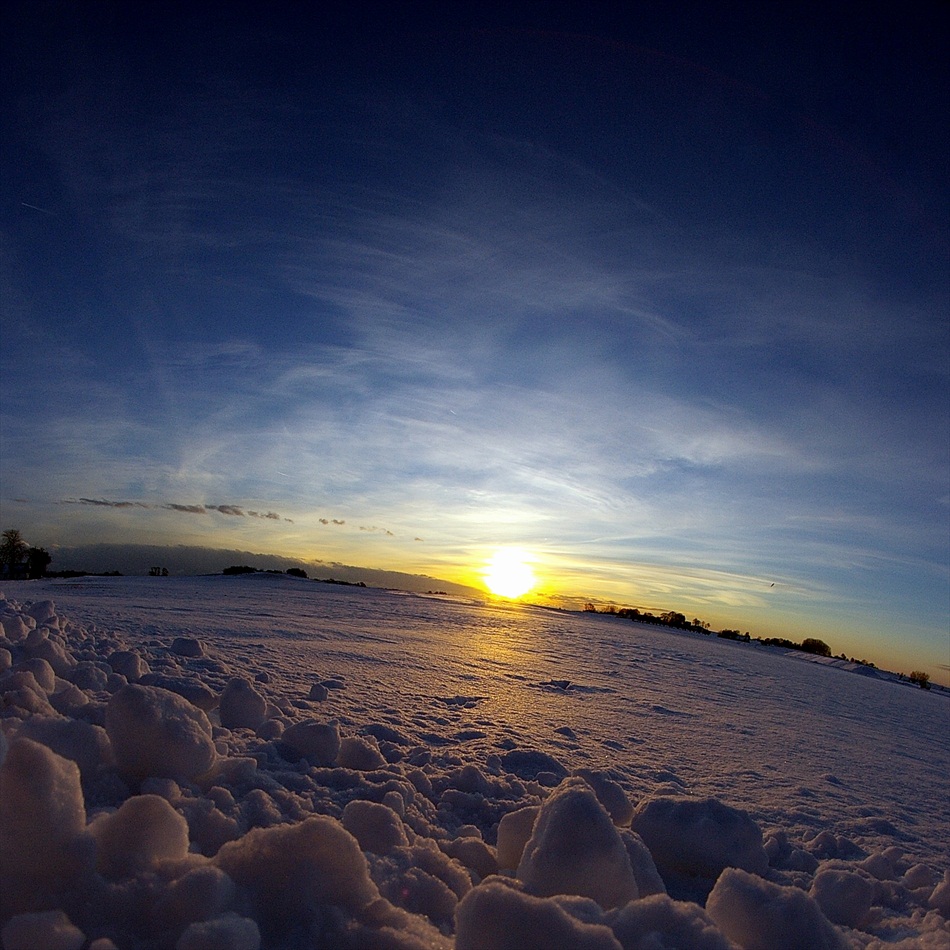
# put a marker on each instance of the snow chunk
(42, 671)
(317, 742)
(158, 733)
(81, 742)
(240, 705)
(42, 823)
(610, 795)
(844, 896)
(495, 916)
(187, 646)
(15, 628)
(699, 836)
(41, 611)
(51, 930)
(514, 831)
(128, 664)
(759, 915)
(294, 869)
(661, 923)
(199, 894)
(940, 898)
(376, 827)
(644, 868)
(575, 849)
(472, 853)
(529, 763)
(360, 754)
(145, 831)
(189, 687)
(227, 932)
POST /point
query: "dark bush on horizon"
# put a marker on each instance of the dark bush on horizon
(297, 572)
(240, 569)
(818, 647)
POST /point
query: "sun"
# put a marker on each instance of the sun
(508, 573)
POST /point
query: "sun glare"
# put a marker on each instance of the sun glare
(509, 574)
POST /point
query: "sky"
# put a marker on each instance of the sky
(656, 294)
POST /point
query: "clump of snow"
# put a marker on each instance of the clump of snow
(187, 646)
(660, 923)
(51, 930)
(227, 932)
(158, 733)
(145, 831)
(43, 845)
(514, 830)
(759, 915)
(575, 848)
(844, 896)
(240, 705)
(318, 742)
(496, 916)
(376, 827)
(699, 837)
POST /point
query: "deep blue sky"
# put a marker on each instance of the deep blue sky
(658, 294)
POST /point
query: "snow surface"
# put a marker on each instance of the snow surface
(264, 761)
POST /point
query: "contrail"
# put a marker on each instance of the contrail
(41, 210)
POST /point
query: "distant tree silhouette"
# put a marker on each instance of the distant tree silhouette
(239, 569)
(37, 560)
(12, 550)
(819, 647)
(921, 678)
(297, 572)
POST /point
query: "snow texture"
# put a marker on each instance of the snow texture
(323, 766)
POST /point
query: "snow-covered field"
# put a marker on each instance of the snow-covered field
(263, 761)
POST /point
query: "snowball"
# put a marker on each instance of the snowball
(660, 923)
(575, 849)
(529, 763)
(54, 654)
(940, 898)
(514, 830)
(759, 915)
(42, 671)
(920, 875)
(128, 664)
(197, 895)
(641, 862)
(318, 692)
(699, 836)
(377, 828)
(143, 832)
(360, 754)
(51, 930)
(81, 742)
(317, 742)
(495, 916)
(69, 700)
(41, 611)
(187, 646)
(227, 932)
(42, 824)
(15, 628)
(22, 694)
(843, 896)
(189, 687)
(610, 795)
(474, 854)
(6, 659)
(293, 869)
(158, 733)
(241, 705)
(89, 676)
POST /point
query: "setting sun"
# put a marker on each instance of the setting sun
(508, 573)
